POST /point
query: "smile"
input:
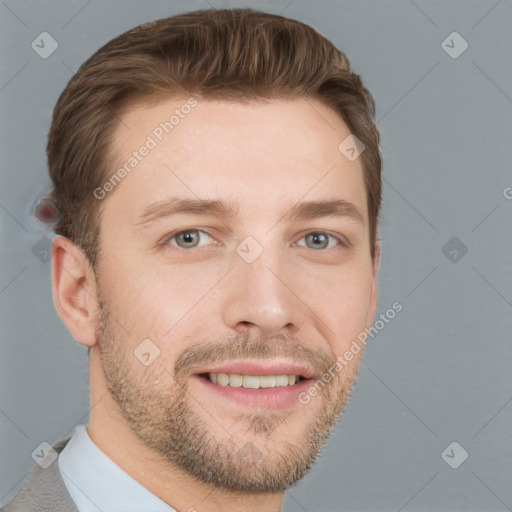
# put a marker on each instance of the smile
(256, 384)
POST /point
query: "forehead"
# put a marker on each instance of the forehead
(258, 154)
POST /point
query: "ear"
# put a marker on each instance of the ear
(373, 293)
(74, 290)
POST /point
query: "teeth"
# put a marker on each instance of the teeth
(251, 382)
(267, 381)
(282, 380)
(237, 380)
(222, 379)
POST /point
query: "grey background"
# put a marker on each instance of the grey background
(439, 371)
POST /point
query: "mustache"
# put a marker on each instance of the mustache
(244, 347)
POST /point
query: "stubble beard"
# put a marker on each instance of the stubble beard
(163, 419)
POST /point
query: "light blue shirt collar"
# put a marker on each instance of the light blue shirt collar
(98, 484)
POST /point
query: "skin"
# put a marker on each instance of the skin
(264, 157)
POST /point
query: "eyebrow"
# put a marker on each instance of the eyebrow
(304, 210)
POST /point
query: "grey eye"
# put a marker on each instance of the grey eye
(187, 239)
(317, 241)
(320, 240)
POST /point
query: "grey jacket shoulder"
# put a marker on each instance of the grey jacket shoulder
(44, 490)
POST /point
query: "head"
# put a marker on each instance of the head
(211, 225)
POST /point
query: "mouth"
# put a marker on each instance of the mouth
(256, 384)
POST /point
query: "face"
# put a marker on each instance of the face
(237, 247)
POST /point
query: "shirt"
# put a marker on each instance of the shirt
(97, 484)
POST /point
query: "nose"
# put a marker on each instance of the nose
(262, 298)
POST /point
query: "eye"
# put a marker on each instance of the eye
(321, 240)
(187, 239)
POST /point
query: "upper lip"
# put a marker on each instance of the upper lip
(259, 367)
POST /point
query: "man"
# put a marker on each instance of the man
(218, 180)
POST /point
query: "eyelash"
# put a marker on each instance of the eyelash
(166, 241)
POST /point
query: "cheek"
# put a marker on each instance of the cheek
(154, 301)
(347, 306)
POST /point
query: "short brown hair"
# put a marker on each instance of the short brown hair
(233, 54)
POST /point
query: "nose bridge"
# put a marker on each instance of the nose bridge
(261, 292)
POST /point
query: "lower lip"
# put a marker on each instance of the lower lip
(279, 397)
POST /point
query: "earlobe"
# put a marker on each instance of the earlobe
(74, 290)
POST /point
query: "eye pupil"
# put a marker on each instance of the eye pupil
(188, 237)
(319, 240)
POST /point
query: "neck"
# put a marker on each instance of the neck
(111, 433)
